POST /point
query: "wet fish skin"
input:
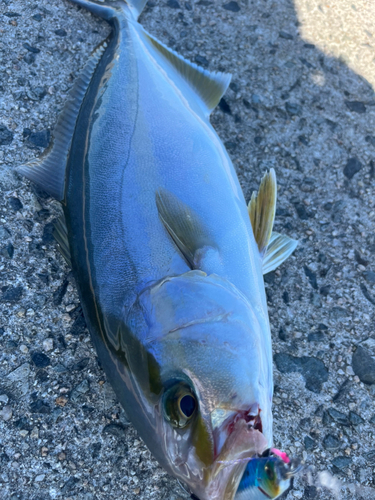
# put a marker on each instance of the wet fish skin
(168, 271)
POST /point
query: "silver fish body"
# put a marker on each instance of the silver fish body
(167, 266)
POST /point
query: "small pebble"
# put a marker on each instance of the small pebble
(6, 135)
(352, 167)
(6, 413)
(232, 6)
(34, 433)
(40, 359)
(298, 494)
(60, 32)
(4, 398)
(48, 345)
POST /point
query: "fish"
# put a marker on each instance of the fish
(167, 256)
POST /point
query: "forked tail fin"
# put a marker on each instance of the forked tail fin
(111, 10)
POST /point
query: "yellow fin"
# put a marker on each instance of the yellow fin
(279, 248)
(262, 207)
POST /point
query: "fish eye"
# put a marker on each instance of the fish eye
(187, 405)
(180, 404)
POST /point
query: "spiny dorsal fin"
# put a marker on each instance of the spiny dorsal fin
(48, 171)
(209, 86)
(279, 248)
(184, 227)
(60, 234)
(262, 207)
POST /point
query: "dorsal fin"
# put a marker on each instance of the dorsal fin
(48, 171)
(209, 86)
(262, 207)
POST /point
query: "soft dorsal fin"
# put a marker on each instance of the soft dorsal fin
(280, 247)
(60, 234)
(209, 86)
(184, 227)
(262, 207)
(48, 171)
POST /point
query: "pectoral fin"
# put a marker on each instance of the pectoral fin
(262, 207)
(280, 247)
(184, 227)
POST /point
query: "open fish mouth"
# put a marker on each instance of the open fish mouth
(244, 466)
(224, 423)
(238, 438)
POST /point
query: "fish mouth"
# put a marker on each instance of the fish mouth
(238, 437)
(224, 423)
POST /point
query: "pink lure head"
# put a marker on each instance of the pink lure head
(284, 457)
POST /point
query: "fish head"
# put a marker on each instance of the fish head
(211, 355)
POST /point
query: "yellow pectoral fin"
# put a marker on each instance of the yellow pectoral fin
(262, 209)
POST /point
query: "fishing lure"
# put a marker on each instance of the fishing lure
(267, 476)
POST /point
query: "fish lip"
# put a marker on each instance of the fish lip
(251, 416)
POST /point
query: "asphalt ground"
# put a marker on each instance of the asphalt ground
(301, 101)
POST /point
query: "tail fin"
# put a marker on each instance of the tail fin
(111, 10)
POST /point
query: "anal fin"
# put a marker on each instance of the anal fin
(60, 234)
(49, 170)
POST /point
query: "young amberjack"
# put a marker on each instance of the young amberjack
(159, 237)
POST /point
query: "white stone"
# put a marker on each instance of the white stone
(6, 413)
(48, 344)
(20, 373)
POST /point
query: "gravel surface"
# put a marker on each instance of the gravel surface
(290, 106)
